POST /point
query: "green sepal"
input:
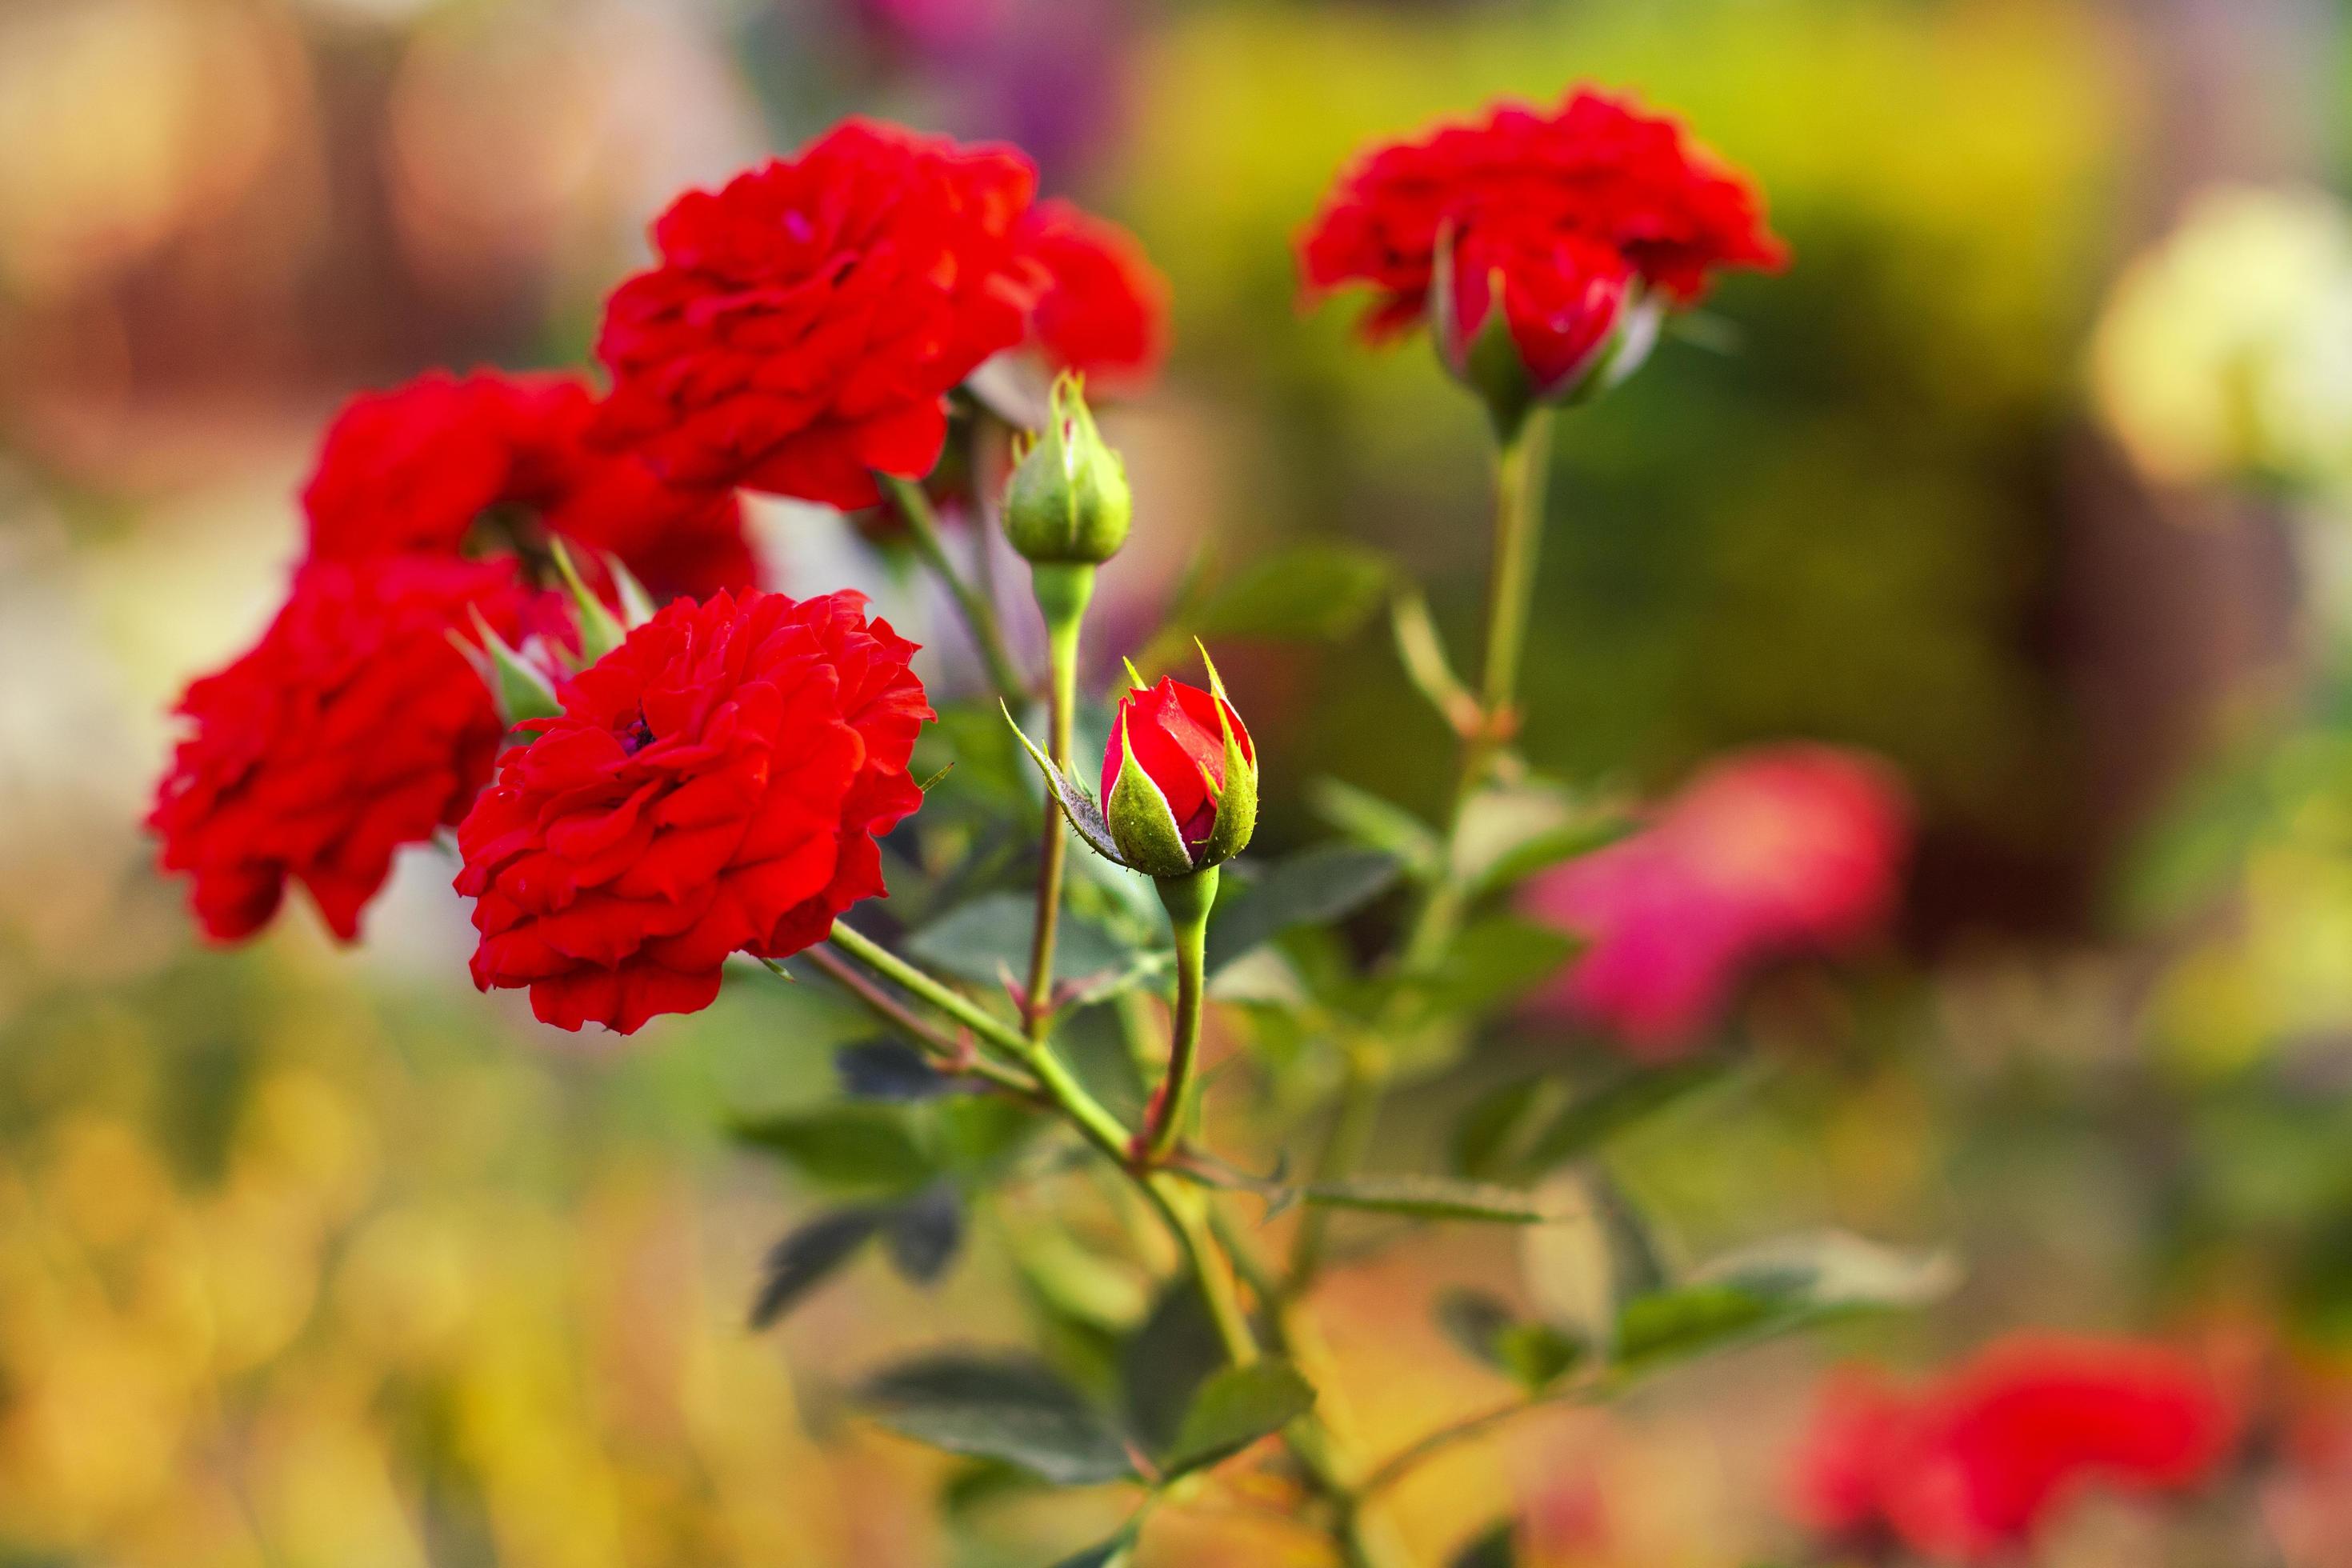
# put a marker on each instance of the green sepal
(519, 688)
(1142, 824)
(637, 606)
(1085, 817)
(600, 631)
(1238, 801)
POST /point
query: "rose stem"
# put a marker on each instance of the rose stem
(1062, 593)
(979, 614)
(1188, 900)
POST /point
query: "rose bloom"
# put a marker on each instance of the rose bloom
(1102, 307)
(1771, 852)
(713, 785)
(353, 727)
(806, 321)
(1172, 729)
(1578, 212)
(444, 463)
(1969, 1467)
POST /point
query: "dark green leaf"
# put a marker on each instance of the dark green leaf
(850, 1146)
(925, 1232)
(1314, 887)
(1472, 1319)
(1588, 1122)
(808, 1256)
(1483, 1130)
(1492, 1549)
(1429, 1197)
(999, 1408)
(1164, 1363)
(1322, 589)
(988, 939)
(889, 1071)
(1233, 1409)
(1774, 1289)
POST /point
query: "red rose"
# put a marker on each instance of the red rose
(806, 321)
(353, 727)
(1970, 1468)
(417, 468)
(714, 785)
(1103, 307)
(1571, 211)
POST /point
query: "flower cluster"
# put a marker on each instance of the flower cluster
(1773, 852)
(1969, 1467)
(804, 329)
(714, 785)
(1570, 230)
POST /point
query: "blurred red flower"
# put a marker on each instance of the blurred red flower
(353, 727)
(1971, 1467)
(806, 322)
(1774, 851)
(1103, 307)
(714, 785)
(1173, 732)
(430, 465)
(1574, 212)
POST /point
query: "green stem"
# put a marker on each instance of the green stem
(979, 614)
(1412, 1456)
(1188, 900)
(943, 1051)
(1086, 1114)
(1062, 592)
(1187, 1210)
(1522, 458)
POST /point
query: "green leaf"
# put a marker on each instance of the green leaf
(1369, 820)
(1164, 1364)
(1532, 1354)
(853, 1145)
(1115, 1553)
(1315, 887)
(1429, 1197)
(1492, 1548)
(1320, 590)
(1775, 1289)
(988, 938)
(1585, 1124)
(1497, 960)
(1483, 1132)
(1547, 849)
(1235, 1408)
(925, 1232)
(999, 1408)
(810, 1255)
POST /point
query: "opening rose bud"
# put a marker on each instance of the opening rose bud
(1067, 502)
(1520, 341)
(1179, 779)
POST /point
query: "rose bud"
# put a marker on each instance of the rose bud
(1520, 341)
(1179, 779)
(1067, 502)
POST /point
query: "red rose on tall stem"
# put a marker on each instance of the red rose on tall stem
(1971, 1467)
(714, 785)
(429, 466)
(1102, 310)
(1576, 226)
(806, 321)
(1171, 731)
(353, 727)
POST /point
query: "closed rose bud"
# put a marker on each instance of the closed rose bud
(1179, 779)
(1067, 502)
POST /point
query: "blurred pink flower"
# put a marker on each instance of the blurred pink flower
(1770, 852)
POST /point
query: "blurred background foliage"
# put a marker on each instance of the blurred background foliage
(317, 1259)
